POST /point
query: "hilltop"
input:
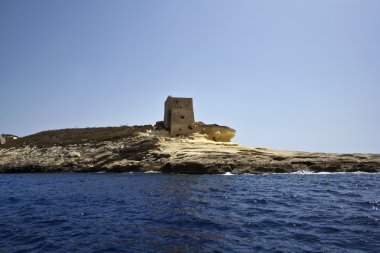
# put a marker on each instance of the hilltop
(72, 136)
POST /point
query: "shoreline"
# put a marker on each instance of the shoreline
(194, 154)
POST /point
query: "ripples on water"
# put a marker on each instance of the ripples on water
(189, 213)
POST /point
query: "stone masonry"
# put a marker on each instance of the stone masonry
(179, 116)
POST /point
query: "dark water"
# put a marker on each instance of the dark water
(187, 213)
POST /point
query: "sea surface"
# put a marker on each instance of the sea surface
(139, 212)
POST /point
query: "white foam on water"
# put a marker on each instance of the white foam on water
(363, 172)
(100, 172)
(228, 174)
(303, 172)
(152, 172)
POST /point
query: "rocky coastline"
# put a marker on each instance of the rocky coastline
(151, 150)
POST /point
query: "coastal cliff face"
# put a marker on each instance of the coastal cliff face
(196, 153)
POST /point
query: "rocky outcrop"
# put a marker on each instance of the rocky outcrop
(193, 154)
(215, 132)
(4, 138)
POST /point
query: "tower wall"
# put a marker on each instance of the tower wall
(179, 116)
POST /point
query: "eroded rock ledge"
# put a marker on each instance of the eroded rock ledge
(193, 154)
(215, 132)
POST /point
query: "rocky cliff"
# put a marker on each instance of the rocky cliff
(147, 151)
(215, 132)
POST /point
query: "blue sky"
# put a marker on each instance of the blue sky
(299, 75)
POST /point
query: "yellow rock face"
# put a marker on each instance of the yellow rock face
(215, 132)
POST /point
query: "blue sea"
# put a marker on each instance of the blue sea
(140, 212)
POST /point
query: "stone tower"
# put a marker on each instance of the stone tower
(2, 140)
(179, 116)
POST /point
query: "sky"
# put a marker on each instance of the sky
(293, 75)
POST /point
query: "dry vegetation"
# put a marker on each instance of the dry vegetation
(71, 136)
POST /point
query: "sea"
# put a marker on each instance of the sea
(151, 212)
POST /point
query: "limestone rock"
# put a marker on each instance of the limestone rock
(215, 132)
(74, 154)
(193, 154)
